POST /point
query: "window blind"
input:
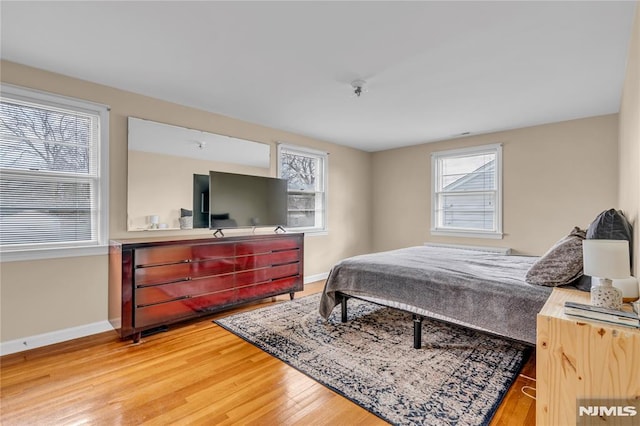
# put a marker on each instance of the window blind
(50, 175)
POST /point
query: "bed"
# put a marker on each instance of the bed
(478, 289)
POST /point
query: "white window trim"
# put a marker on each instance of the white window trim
(10, 254)
(498, 233)
(312, 231)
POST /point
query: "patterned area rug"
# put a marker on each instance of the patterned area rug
(458, 377)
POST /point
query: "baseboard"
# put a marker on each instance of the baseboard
(317, 277)
(45, 339)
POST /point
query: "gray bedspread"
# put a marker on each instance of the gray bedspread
(485, 290)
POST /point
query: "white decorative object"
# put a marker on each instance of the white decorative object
(606, 259)
(186, 222)
(154, 220)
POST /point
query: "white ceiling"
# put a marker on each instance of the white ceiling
(434, 69)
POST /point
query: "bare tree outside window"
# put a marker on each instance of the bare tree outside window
(304, 173)
(40, 139)
(48, 180)
(300, 172)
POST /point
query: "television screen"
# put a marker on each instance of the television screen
(237, 200)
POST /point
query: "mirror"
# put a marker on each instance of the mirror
(162, 160)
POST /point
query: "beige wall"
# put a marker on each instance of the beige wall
(629, 170)
(555, 176)
(50, 295)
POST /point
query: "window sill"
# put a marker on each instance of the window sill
(308, 232)
(467, 234)
(319, 233)
(52, 253)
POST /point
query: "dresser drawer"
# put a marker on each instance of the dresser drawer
(266, 246)
(282, 257)
(162, 274)
(164, 313)
(162, 255)
(267, 274)
(212, 251)
(270, 288)
(267, 259)
(192, 288)
(213, 267)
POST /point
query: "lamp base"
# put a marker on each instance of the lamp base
(629, 286)
(606, 295)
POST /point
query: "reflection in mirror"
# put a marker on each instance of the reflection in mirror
(162, 161)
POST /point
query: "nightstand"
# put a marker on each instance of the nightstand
(578, 359)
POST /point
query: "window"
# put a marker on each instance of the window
(467, 192)
(305, 171)
(53, 181)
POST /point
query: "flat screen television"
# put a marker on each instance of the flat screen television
(237, 200)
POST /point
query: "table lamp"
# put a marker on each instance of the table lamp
(607, 260)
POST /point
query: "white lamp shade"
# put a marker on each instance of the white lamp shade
(606, 258)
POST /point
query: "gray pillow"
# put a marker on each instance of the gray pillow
(561, 264)
(612, 225)
(608, 225)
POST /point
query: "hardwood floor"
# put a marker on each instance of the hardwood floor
(195, 373)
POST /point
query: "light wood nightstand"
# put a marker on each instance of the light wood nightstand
(578, 359)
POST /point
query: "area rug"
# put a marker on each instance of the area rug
(458, 377)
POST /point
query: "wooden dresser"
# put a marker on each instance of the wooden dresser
(158, 281)
(579, 360)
